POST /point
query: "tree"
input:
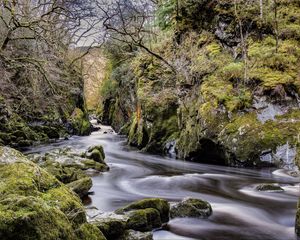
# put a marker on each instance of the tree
(131, 23)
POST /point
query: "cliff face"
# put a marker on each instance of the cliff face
(234, 97)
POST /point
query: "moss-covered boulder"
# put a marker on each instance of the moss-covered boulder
(81, 187)
(96, 155)
(144, 219)
(136, 235)
(191, 207)
(34, 204)
(161, 205)
(269, 188)
(62, 173)
(99, 150)
(89, 232)
(112, 226)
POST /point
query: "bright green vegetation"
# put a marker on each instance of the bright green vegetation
(207, 105)
(35, 205)
(161, 205)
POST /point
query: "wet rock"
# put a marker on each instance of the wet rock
(191, 207)
(66, 157)
(269, 188)
(144, 220)
(161, 205)
(96, 153)
(111, 225)
(136, 235)
(81, 187)
(91, 164)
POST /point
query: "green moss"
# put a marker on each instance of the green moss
(91, 164)
(30, 218)
(63, 199)
(89, 232)
(112, 228)
(99, 148)
(161, 205)
(191, 207)
(80, 122)
(33, 203)
(246, 137)
(81, 187)
(144, 220)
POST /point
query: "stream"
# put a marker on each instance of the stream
(239, 212)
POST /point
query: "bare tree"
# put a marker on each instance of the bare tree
(130, 22)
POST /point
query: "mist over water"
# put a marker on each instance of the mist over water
(239, 212)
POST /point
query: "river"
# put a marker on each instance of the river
(239, 212)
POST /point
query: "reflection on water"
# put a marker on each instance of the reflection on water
(239, 212)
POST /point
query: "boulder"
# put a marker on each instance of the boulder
(161, 205)
(144, 219)
(269, 188)
(135, 235)
(112, 226)
(81, 187)
(96, 156)
(89, 232)
(96, 153)
(191, 207)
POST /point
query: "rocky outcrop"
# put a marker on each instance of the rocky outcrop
(218, 106)
(35, 205)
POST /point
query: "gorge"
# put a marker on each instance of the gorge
(202, 97)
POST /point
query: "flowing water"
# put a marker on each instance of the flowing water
(239, 212)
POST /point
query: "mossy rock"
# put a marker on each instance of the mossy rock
(91, 164)
(31, 218)
(95, 155)
(99, 148)
(80, 123)
(81, 187)
(112, 228)
(191, 207)
(63, 173)
(89, 232)
(34, 204)
(144, 219)
(269, 188)
(161, 205)
(136, 235)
